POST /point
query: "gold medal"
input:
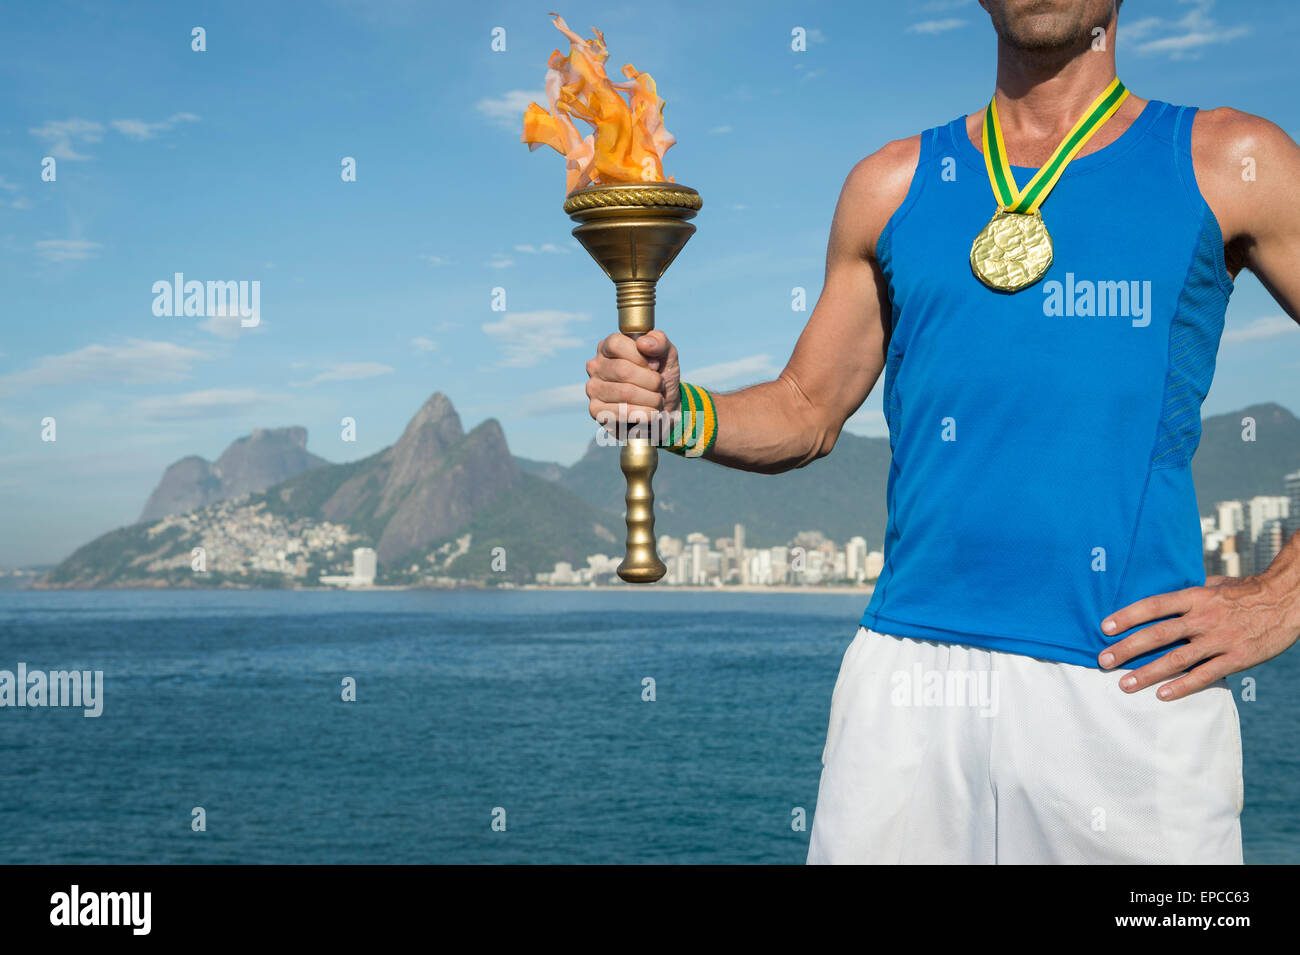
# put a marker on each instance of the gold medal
(1012, 251)
(1015, 249)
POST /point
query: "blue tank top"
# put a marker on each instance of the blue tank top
(1042, 440)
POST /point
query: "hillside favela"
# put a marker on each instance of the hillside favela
(442, 507)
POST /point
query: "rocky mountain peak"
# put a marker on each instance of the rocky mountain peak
(429, 435)
(294, 435)
(252, 463)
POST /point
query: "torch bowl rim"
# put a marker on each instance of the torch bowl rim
(633, 195)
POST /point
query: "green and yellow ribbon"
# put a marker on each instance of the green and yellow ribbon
(1027, 201)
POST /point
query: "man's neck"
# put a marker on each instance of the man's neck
(1041, 97)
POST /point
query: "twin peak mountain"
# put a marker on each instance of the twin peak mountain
(420, 490)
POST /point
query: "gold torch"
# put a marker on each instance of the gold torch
(634, 232)
(632, 227)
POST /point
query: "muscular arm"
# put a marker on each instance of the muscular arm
(786, 423)
(797, 418)
(1248, 169)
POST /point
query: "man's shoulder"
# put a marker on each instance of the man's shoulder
(1226, 133)
(874, 188)
(890, 165)
(1245, 167)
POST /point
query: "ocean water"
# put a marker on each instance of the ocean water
(467, 702)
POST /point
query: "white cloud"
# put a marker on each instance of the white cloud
(229, 326)
(66, 250)
(350, 371)
(931, 27)
(564, 398)
(1131, 32)
(424, 344)
(507, 110)
(212, 403)
(138, 129)
(500, 261)
(1270, 326)
(134, 363)
(19, 202)
(546, 247)
(1185, 36)
(816, 35)
(1184, 42)
(722, 130)
(528, 337)
(432, 259)
(64, 135)
(742, 371)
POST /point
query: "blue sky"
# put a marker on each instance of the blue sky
(225, 165)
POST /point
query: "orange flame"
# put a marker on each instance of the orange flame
(628, 139)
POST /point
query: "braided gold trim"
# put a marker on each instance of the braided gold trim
(609, 197)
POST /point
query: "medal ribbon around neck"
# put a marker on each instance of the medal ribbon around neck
(1031, 197)
(1015, 250)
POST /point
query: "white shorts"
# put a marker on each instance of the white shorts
(942, 753)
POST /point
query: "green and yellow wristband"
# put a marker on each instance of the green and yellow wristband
(697, 427)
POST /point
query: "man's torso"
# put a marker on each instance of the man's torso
(1042, 439)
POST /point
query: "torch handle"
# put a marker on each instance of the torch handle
(638, 459)
(641, 564)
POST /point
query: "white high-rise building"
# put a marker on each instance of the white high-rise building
(714, 569)
(780, 563)
(679, 568)
(365, 566)
(875, 564)
(1265, 547)
(669, 546)
(839, 568)
(1232, 517)
(699, 548)
(1292, 484)
(855, 559)
(1263, 509)
(741, 564)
